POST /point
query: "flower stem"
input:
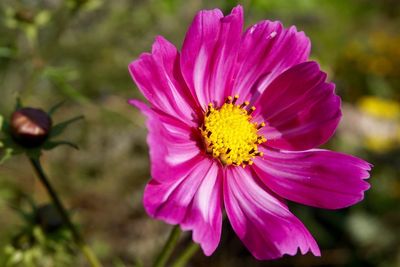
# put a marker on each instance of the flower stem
(168, 247)
(186, 255)
(85, 249)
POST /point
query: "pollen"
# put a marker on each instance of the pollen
(229, 135)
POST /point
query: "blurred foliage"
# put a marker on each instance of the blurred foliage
(41, 241)
(78, 51)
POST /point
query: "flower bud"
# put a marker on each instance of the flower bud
(30, 127)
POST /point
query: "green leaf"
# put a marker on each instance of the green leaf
(8, 147)
(53, 144)
(18, 103)
(59, 128)
(5, 154)
(54, 108)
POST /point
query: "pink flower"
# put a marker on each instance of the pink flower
(233, 123)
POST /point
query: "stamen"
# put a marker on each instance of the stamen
(251, 110)
(229, 135)
(261, 139)
(261, 125)
(235, 99)
(244, 104)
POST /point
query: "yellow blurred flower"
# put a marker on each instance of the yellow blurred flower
(380, 123)
(379, 107)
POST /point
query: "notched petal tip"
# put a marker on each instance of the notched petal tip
(237, 12)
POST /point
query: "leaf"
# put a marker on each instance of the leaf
(59, 128)
(8, 147)
(5, 154)
(18, 103)
(53, 144)
(54, 108)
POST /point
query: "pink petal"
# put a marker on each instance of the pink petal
(209, 53)
(193, 200)
(158, 76)
(267, 50)
(319, 178)
(171, 142)
(264, 224)
(300, 109)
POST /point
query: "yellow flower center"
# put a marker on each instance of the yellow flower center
(229, 135)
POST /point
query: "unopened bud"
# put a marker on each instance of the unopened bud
(30, 127)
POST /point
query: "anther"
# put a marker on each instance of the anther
(261, 125)
(251, 110)
(235, 99)
(219, 133)
(261, 139)
(245, 103)
(258, 153)
(228, 100)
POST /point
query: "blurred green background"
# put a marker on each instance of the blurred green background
(78, 50)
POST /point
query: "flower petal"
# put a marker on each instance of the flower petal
(209, 53)
(300, 109)
(193, 200)
(318, 178)
(267, 50)
(172, 144)
(264, 224)
(158, 76)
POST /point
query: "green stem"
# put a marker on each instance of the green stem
(168, 247)
(186, 255)
(85, 249)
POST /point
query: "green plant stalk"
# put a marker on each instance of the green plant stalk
(168, 247)
(186, 255)
(85, 249)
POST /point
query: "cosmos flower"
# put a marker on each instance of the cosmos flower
(233, 123)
